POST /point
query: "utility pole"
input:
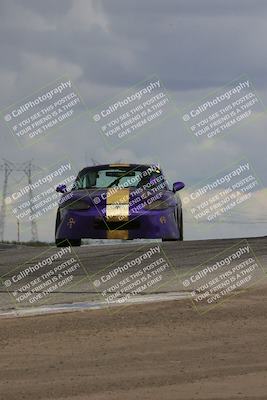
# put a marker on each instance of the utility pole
(18, 231)
(27, 168)
(28, 171)
(7, 167)
(94, 161)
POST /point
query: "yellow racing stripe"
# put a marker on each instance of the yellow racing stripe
(117, 234)
(117, 210)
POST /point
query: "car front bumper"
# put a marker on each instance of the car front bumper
(154, 224)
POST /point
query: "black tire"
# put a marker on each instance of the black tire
(181, 228)
(67, 242)
(57, 221)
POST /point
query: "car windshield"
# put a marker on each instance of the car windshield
(97, 178)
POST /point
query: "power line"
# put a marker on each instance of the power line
(27, 168)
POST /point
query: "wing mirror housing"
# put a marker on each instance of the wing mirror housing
(178, 186)
(61, 188)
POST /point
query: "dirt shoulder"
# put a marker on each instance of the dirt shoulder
(154, 351)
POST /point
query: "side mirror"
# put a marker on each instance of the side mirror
(178, 186)
(61, 188)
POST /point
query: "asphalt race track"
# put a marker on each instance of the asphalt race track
(97, 261)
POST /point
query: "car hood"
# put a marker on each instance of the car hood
(108, 196)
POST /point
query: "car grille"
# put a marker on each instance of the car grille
(100, 223)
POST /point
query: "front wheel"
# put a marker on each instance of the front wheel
(181, 227)
(170, 240)
(67, 242)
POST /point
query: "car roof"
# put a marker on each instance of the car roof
(116, 165)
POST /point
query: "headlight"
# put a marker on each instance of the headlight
(75, 205)
(157, 205)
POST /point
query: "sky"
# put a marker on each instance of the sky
(106, 47)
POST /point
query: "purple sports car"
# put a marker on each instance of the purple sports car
(119, 201)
